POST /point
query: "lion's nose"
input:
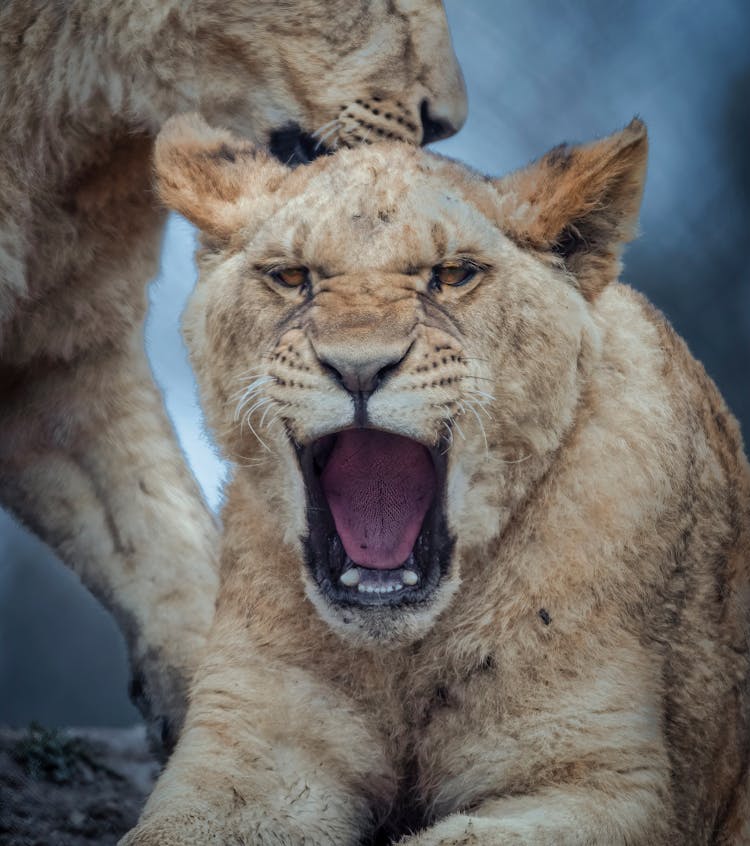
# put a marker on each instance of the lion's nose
(434, 128)
(359, 372)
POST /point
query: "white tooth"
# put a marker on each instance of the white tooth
(350, 577)
(409, 577)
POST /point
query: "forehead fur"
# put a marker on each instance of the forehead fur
(381, 205)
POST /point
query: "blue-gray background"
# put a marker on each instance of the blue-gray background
(537, 72)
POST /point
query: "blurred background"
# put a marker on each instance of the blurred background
(537, 72)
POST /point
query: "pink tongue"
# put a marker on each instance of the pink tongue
(379, 487)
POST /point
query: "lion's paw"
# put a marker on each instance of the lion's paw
(186, 830)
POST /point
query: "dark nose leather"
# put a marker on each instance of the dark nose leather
(433, 129)
(362, 375)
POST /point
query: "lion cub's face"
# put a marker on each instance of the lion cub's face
(306, 76)
(386, 342)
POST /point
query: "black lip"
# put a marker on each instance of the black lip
(324, 553)
(292, 146)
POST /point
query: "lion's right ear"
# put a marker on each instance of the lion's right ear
(211, 176)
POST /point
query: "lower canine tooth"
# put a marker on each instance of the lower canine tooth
(350, 578)
(409, 577)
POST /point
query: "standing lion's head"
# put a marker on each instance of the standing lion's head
(308, 76)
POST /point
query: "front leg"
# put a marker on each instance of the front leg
(629, 812)
(269, 755)
(560, 744)
(88, 461)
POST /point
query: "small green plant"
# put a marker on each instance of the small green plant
(50, 755)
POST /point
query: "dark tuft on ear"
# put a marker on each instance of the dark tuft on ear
(568, 242)
(560, 157)
(226, 153)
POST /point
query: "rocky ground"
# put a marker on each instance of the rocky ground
(74, 787)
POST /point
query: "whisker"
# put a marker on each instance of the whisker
(484, 411)
(482, 393)
(326, 136)
(481, 404)
(257, 436)
(250, 462)
(258, 404)
(243, 397)
(481, 426)
(249, 392)
(254, 462)
(325, 126)
(251, 374)
(515, 461)
(447, 421)
(450, 437)
(250, 378)
(255, 379)
(265, 412)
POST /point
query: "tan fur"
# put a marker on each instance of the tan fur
(87, 455)
(582, 674)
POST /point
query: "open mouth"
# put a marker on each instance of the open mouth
(376, 517)
(292, 146)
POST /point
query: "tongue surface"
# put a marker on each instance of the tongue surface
(378, 487)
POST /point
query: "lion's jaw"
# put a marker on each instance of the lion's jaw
(307, 76)
(386, 290)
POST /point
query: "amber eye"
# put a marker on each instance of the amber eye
(290, 277)
(453, 274)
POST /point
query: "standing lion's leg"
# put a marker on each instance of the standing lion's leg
(88, 461)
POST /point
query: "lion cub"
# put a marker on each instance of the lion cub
(485, 557)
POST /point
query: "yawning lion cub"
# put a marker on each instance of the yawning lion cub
(485, 563)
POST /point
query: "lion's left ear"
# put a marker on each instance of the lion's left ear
(213, 178)
(581, 203)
